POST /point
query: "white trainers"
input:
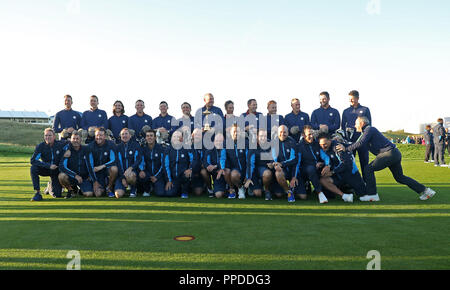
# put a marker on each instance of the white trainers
(373, 197)
(427, 194)
(241, 192)
(347, 197)
(132, 195)
(322, 198)
(146, 194)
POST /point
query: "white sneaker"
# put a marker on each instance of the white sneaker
(132, 195)
(322, 198)
(427, 194)
(241, 192)
(146, 194)
(347, 197)
(373, 197)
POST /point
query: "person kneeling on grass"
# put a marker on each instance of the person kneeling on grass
(151, 173)
(178, 167)
(387, 155)
(45, 162)
(214, 161)
(285, 158)
(341, 171)
(259, 177)
(74, 168)
(129, 158)
(102, 160)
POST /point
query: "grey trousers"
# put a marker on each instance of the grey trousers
(391, 159)
(439, 151)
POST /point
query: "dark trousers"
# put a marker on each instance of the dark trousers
(355, 181)
(146, 185)
(180, 184)
(439, 151)
(393, 160)
(363, 152)
(309, 173)
(428, 151)
(36, 171)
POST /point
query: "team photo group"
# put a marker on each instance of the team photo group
(217, 153)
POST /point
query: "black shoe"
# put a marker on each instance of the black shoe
(69, 194)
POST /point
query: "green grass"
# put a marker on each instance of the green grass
(21, 133)
(229, 234)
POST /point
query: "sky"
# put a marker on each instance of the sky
(394, 52)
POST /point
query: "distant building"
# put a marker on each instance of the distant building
(30, 117)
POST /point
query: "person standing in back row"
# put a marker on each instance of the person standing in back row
(326, 119)
(348, 125)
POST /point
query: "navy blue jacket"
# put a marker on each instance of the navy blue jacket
(136, 123)
(278, 121)
(309, 154)
(128, 155)
(340, 161)
(287, 155)
(300, 120)
(102, 155)
(216, 113)
(236, 157)
(116, 124)
(350, 115)
(45, 155)
(97, 118)
(215, 157)
(66, 119)
(153, 160)
(376, 141)
(256, 121)
(329, 117)
(176, 162)
(165, 122)
(183, 121)
(254, 160)
(77, 163)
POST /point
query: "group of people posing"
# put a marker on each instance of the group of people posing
(262, 155)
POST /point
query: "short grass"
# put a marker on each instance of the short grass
(249, 234)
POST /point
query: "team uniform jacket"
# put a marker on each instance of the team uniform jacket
(309, 154)
(236, 157)
(255, 161)
(136, 123)
(128, 155)
(97, 118)
(340, 161)
(216, 114)
(116, 124)
(66, 119)
(287, 155)
(300, 120)
(77, 163)
(153, 160)
(350, 115)
(176, 162)
(376, 142)
(329, 117)
(45, 155)
(99, 155)
(215, 157)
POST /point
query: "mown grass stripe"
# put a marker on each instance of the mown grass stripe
(179, 212)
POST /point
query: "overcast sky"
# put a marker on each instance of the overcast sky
(394, 52)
